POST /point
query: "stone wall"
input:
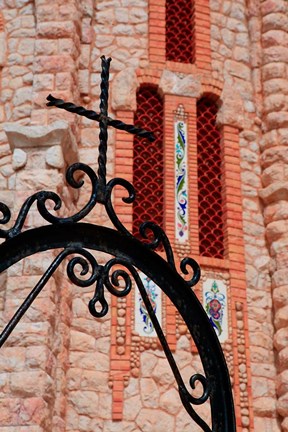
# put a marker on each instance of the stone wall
(59, 355)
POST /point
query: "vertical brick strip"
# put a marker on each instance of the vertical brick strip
(157, 32)
(234, 249)
(124, 168)
(202, 34)
(120, 361)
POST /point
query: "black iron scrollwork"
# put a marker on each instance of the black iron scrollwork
(41, 198)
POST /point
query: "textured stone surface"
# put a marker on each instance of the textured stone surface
(188, 85)
(19, 159)
(55, 48)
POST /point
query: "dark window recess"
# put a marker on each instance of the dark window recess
(211, 237)
(180, 29)
(148, 160)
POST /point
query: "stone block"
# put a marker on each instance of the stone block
(282, 383)
(284, 425)
(124, 90)
(275, 102)
(54, 63)
(275, 86)
(87, 32)
(170, 401)
(56, 30)
(151, 419)
(21, 112)
(173, 83)
(275, 21)
(149, 393)
(274, 38)
(3, 48)
(80, 341)
(274, 192)
(281, 318)
(84, 402)
(123, 30)
(89, 137)
(38, 180)
(282, 405)
(27, 334)
(19, 159)
(264, 406)
(228, 37)
(132, 407)
(36, 357)
(273, 70)
(32, 383)
(43, 82)
(162, 374)
(26, 46)
(84, 82)
(274, 154)
(12, 359)
(276, 230)
(281, 339)
(283, 358)
(274, 172)
(138, 15)
(87, 7)
(275, 120)
(45, 47)
(54, 157)
(241, 54)
(85, 56)
(87, 361)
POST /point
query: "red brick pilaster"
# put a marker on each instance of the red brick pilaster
(120, 351)
(202, 34)
(234, 248)
(157, 54)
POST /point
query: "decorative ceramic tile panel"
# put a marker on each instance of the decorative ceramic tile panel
(143, 324)
(216, 305)
(181, 183)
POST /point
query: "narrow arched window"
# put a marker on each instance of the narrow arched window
(180, 40)
(211, 237)
(148, 159)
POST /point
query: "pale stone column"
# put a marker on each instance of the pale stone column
(34, 360)
(275, 178)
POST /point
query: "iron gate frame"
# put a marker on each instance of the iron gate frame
(77, 238)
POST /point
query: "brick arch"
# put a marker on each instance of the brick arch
(148, 76)
(211, 88)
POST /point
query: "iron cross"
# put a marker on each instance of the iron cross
(102, 118)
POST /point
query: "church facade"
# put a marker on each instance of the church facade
(209, 78)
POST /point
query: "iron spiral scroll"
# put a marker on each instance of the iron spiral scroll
(77, 240)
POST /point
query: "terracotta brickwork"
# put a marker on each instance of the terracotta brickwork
(62, 370)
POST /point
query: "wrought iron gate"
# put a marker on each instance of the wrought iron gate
(76, 239)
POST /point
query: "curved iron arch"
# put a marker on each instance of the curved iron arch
(130, 252)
